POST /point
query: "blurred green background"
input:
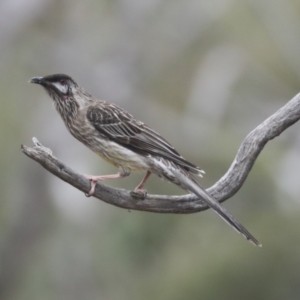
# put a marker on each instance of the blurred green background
(203, 74)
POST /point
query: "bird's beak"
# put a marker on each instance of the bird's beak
(37, 80)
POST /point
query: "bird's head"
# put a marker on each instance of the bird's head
(59, 86)
(67, 95)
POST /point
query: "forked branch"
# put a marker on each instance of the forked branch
(223, 189)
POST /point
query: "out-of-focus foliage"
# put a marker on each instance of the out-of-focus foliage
(204, 74)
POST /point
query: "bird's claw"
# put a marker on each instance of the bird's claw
(139, 194)
(93, 185)
(90, 193)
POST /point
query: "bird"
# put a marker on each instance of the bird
(130, 145)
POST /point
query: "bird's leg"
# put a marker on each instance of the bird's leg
(142, 183)
(139, 192)
(94, 179)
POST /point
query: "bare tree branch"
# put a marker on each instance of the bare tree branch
(223, 189)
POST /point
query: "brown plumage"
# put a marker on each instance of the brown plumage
(130, 145)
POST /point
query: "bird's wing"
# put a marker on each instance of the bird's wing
(119, 126)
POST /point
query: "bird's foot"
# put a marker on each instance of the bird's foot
(139, 194)
(93, 180)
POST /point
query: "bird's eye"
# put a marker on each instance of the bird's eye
(62, 82)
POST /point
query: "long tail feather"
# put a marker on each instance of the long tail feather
(193, 186)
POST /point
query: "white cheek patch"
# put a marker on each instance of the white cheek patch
(62, 88)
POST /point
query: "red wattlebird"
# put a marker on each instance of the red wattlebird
(127, 143)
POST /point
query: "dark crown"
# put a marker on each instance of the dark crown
(58, 77)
